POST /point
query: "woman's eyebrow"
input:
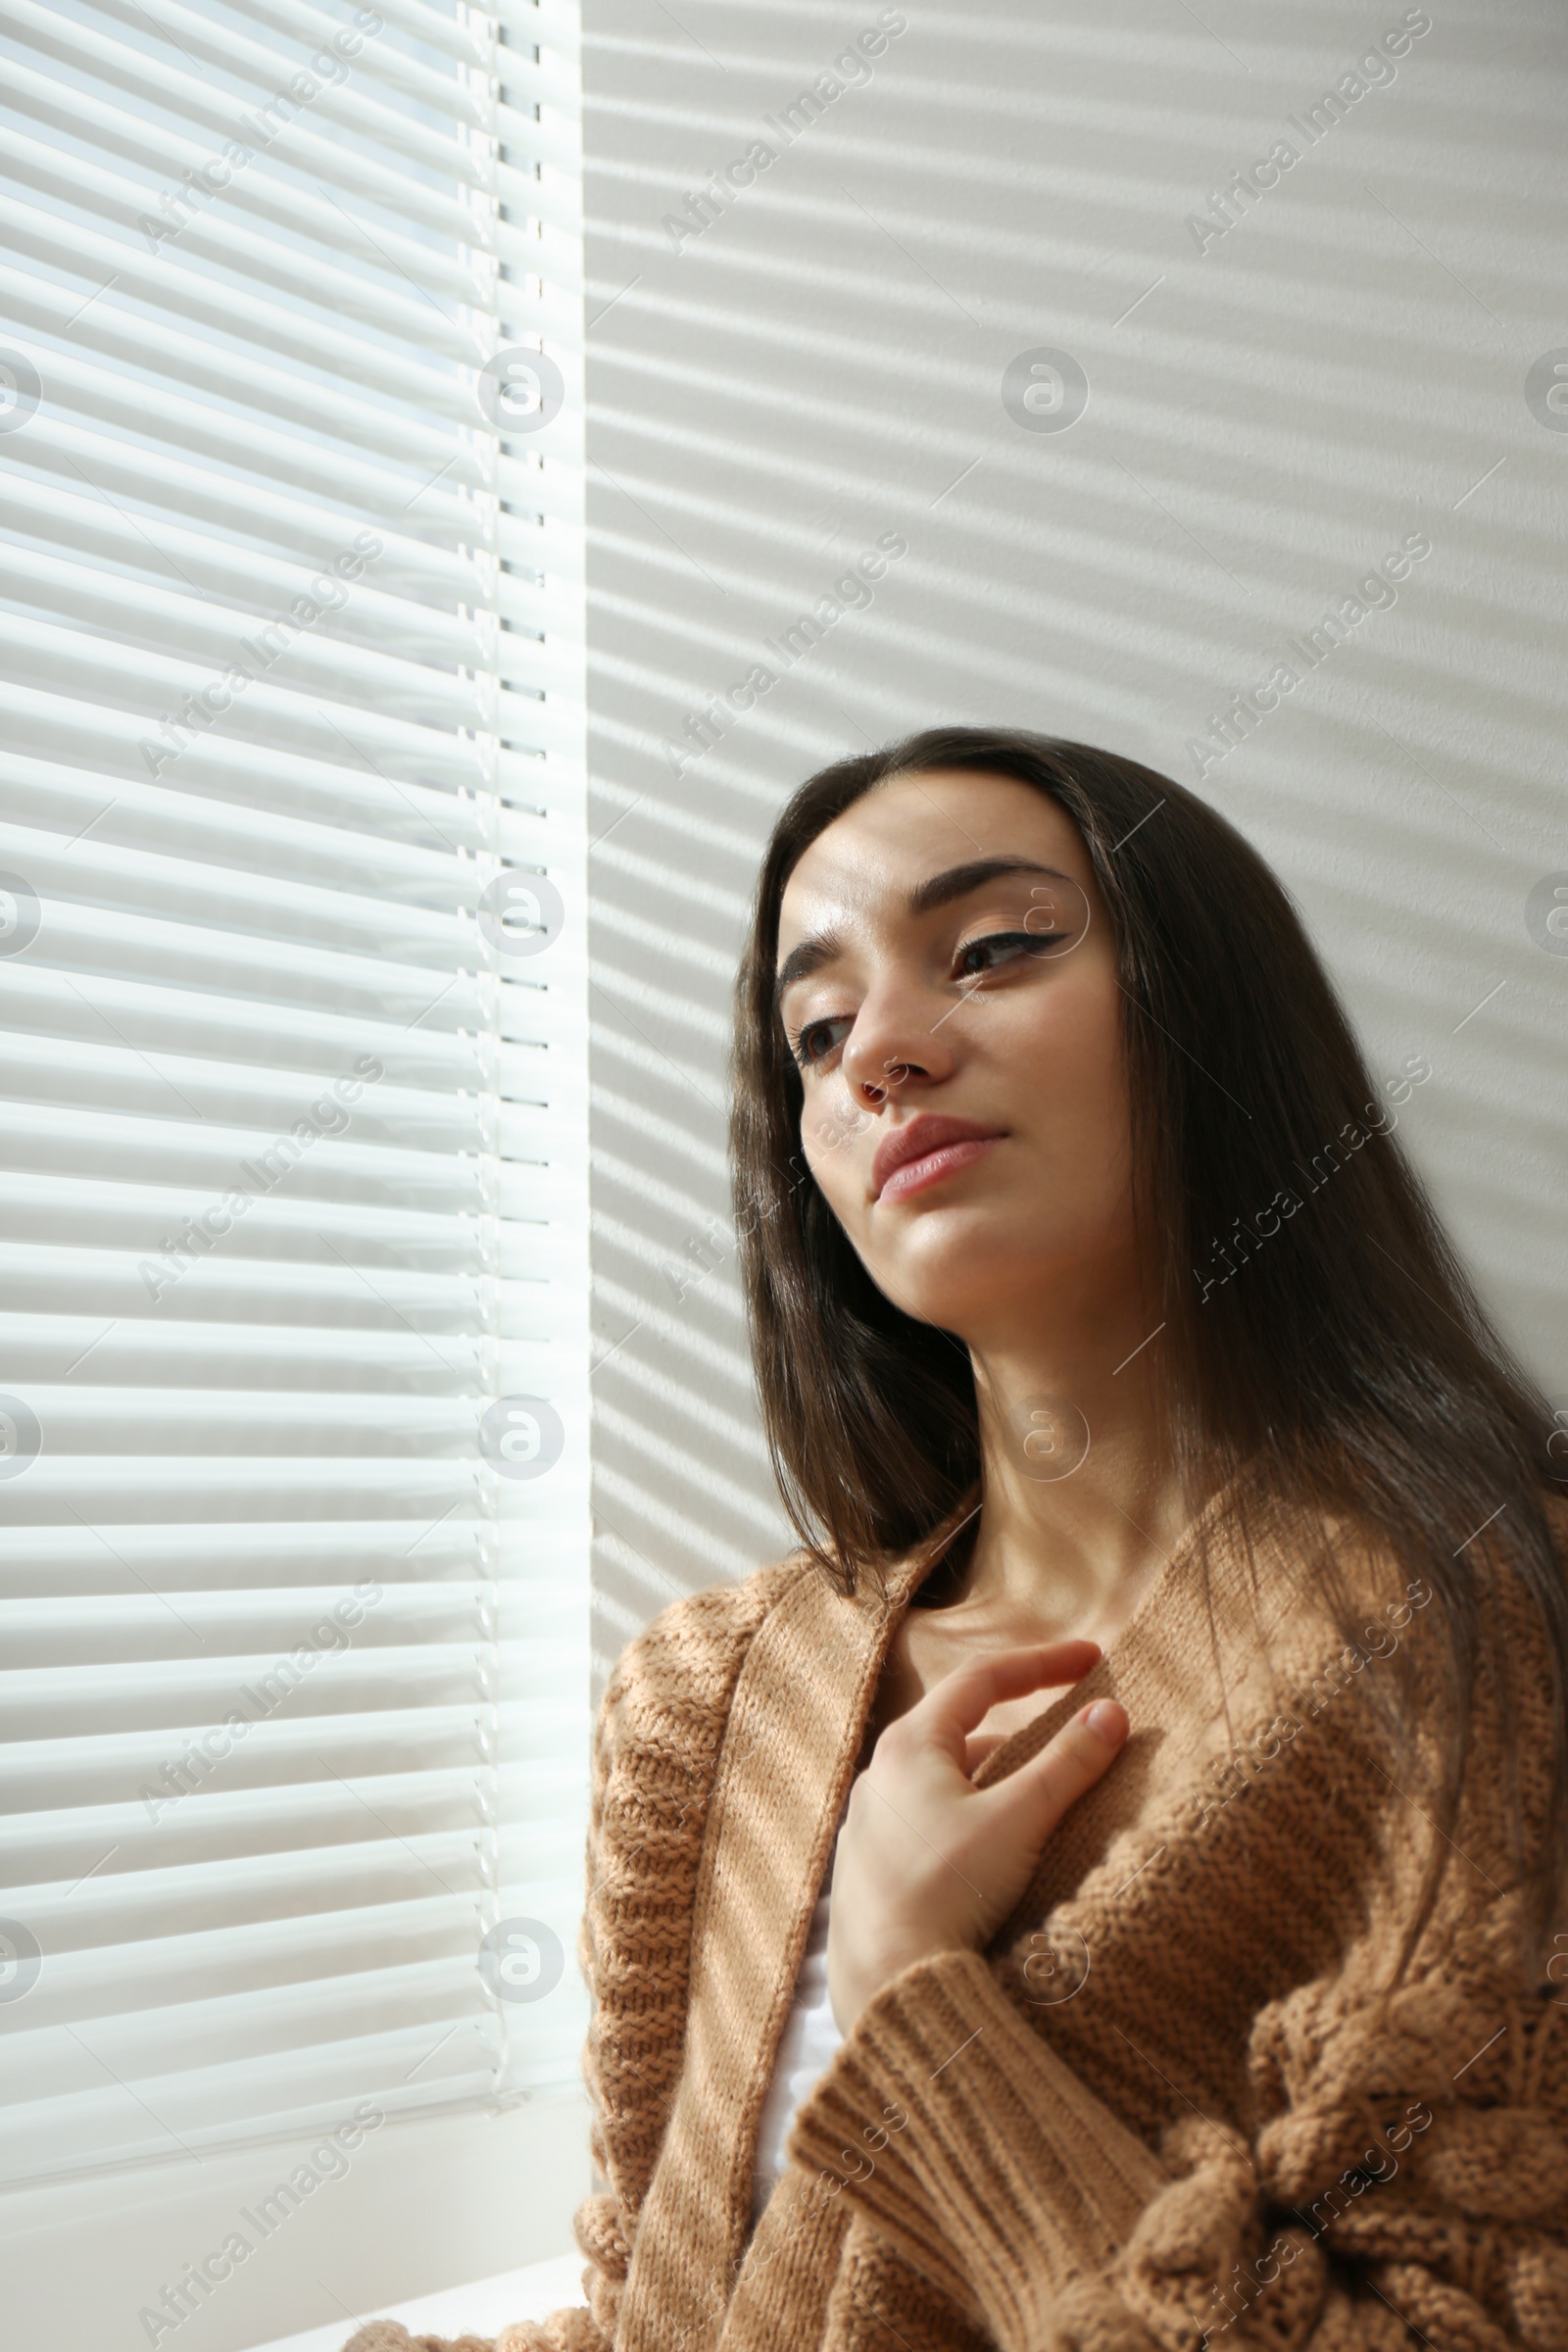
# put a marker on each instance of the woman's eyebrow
(939, 891)
(960, 880)
(802, 962)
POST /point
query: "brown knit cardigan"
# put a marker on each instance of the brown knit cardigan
(1169, 2106)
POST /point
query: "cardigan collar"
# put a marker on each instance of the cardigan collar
(796, 1728)
(794, 1737)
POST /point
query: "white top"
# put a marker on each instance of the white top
(805, 2049)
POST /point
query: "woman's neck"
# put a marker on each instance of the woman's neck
(1080, 1503)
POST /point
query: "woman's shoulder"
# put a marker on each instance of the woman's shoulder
(661, 1729)
(672, 1684)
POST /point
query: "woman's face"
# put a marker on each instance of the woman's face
(947, 985)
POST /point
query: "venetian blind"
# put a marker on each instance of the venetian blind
(293, 1326)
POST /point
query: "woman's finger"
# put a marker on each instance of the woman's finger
(1042, 1790)
(961, 1700)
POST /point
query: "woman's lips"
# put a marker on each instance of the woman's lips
(942, 1157)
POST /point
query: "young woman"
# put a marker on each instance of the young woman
(1108, 1889)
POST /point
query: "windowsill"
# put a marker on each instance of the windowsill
(480, 2309)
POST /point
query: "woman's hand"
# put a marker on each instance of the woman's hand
(928, 1863)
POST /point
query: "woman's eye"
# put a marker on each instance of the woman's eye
(1004, 947)
(818, 1040)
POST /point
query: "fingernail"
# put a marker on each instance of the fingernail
(1104, 1719)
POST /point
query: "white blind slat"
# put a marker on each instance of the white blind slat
(293, 1632)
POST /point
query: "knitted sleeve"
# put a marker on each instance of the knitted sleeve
(1408, 2182)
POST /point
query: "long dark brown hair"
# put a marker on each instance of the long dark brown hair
(1340, 1361)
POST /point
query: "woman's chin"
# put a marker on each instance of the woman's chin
(961, 1289)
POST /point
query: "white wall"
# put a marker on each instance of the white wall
(1267, 417)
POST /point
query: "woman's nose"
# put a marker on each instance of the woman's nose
(892, 1046)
